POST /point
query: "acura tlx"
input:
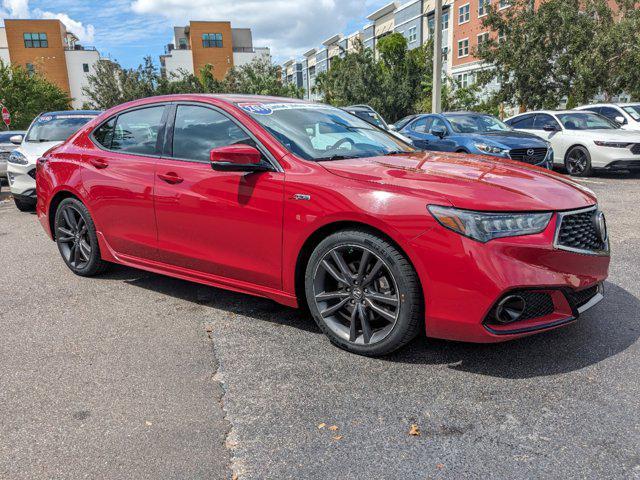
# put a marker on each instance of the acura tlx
(311, 206)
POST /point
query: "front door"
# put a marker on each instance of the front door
(227, 224)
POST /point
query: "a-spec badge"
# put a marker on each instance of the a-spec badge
(301, 196)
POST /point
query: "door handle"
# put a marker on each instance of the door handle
(98, 163)
(171, 177)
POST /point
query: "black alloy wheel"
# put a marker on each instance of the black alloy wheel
(578, 162)
(363, 293)
(76, 238)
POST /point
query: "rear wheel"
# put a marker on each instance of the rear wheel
(578, 162)
(76, 238)
(363, 293)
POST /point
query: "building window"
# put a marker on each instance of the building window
(432, 24)
(505, 3)
(483, 38)
(413, 35)
(463, 48)
(85, 67)
(465, 80)
(30, 69)
(35, 40)
(464, 14)
(501, 36)
(182, 43)
(483, 7)
(212, 40)
(312, 71)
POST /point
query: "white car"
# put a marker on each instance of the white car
(583, 140)
(627, 115)
(6, 147)
(46, 131)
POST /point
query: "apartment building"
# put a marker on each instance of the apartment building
(49, 48)
(214, 43)
(413, 19)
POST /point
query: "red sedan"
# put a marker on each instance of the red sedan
(310, 206)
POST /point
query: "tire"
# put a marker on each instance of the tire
(385, 294)
(77, 240)
(578, 162)
(24, 205)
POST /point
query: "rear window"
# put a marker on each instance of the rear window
(56, 128)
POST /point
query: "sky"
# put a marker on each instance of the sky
(128, 30)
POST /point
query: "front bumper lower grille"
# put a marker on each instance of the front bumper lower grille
(635, 149)
(32, 173)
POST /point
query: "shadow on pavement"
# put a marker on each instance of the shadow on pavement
(608, 329)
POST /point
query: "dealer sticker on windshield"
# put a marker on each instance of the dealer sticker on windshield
(257, 108)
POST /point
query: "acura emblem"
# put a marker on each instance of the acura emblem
(530, 152)
(601, 226)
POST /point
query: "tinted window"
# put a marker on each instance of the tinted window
(137, 131)
(542, 120)
(197, 130)
(104, 133)
(438, 123)
(422, 125)
(586, 121)
(610, 113)
(525, 121)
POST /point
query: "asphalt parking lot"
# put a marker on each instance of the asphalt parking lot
(135, 375)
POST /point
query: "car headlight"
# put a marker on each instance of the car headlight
(485, 226)
(17, 158)
(483, 147)
(612, 144)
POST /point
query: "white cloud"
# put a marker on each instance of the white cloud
(20, 9)
(84, 33)
(287, 26)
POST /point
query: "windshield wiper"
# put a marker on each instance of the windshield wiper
(336, 157)
(398, 152)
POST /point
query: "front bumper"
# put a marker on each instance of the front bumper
(614, 158)
(463, 281)
(22, 179)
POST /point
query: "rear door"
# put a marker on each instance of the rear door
(227, 224)
(119, 176)
(418, 131)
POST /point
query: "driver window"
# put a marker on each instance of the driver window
(422, 125)
(438, 123)
(197, 130)
(542, 120)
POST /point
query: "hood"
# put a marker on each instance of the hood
(34, 150)
(512, 139)
(468, 181)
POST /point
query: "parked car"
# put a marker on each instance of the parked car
(46, 131)
(378, 239)
(369, 115)
(399, 125)
(627, 115)
(6, 147)
(477, 133)
(583, 141)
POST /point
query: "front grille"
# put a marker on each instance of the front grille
(636, 149)
(579, 231)
(32, 173)
(532, 156)
(581, 297)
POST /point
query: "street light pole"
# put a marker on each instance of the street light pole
(436, 99)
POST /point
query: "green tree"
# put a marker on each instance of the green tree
(562, 50)
(258, 77)
(27, 95)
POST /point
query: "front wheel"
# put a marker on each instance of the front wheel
(76, 238)
(363, 293)
(578, 162)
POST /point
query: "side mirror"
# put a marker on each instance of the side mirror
(549, 127)
(237, 158)
(16, 139)
(620, 120)
(439, 132)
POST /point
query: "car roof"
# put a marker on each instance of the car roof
(73, 112)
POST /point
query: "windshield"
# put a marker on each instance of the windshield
(314, 131)
(400, 124)
(476, 124)
(585, 121)
(633, 110)
(56, 128)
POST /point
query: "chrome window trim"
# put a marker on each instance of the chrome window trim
(556, 245)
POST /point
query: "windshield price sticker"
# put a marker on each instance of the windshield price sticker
(45, 118)
(269, 108)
